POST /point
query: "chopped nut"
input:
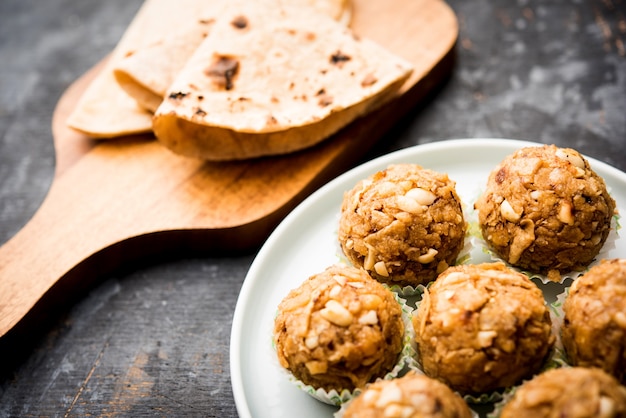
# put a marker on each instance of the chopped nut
(596, 238)
(572, 157)
(369, 318)
(485, 338)
(356, 285)
(370, 260)
(607, 407)
(370, 396)
(428, 257)
(381, 269)
(620, 319)
(316, 367)
(334, 292)
(340, 279)
(579, 172)
(336, 313)
(389, 395)
(565, 213)
(508, 212)
(409, 205)
(398, 411)
(421, 196)
(311, 341)
(371, 301)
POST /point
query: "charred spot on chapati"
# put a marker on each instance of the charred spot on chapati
(324, 99)
(240, 22)
(338, 58)
(271, 120)
(223, 70)
(368, 80)
(178, 95)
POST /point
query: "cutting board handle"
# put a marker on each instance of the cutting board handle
(56, 240)
(112, 201)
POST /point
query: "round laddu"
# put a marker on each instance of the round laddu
(545, 210)
(404, 224)
(411, 396)
(594, 323)
(574, 392)
(482, 327)
(340, 329)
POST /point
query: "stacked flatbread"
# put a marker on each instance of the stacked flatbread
(250, 78)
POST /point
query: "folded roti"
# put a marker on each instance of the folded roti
(146, 74)
(105, 110)
(270, 81)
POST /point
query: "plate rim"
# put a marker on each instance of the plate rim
(236, 346)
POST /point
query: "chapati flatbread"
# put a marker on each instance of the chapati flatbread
(146, 74)
(271, 81)
(105, 110)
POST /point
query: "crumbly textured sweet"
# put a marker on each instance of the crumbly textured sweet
(340, 329)
(404, 224)
(411, 396)
(482, 327)
(574, 392)
(594, 323)
(545, 210)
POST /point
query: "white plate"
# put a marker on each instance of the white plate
(304, 244)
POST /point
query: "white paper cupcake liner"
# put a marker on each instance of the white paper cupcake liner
(337, 398)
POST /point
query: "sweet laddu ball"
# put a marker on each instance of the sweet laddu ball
(545, 210)
(482, 327)
(411, 396)
(594, 323)
(340, 329)
(568, 392)
(404, 224)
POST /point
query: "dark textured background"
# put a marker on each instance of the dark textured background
(152, 340)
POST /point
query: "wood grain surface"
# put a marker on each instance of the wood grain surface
(112, 201)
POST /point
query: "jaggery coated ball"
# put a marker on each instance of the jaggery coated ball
(410, 396)
(340, 329)
(404, 224)
(594, 323)
(572, 392)
(482, 327)
(545, 210)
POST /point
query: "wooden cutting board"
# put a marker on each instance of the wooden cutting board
(115, 201)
